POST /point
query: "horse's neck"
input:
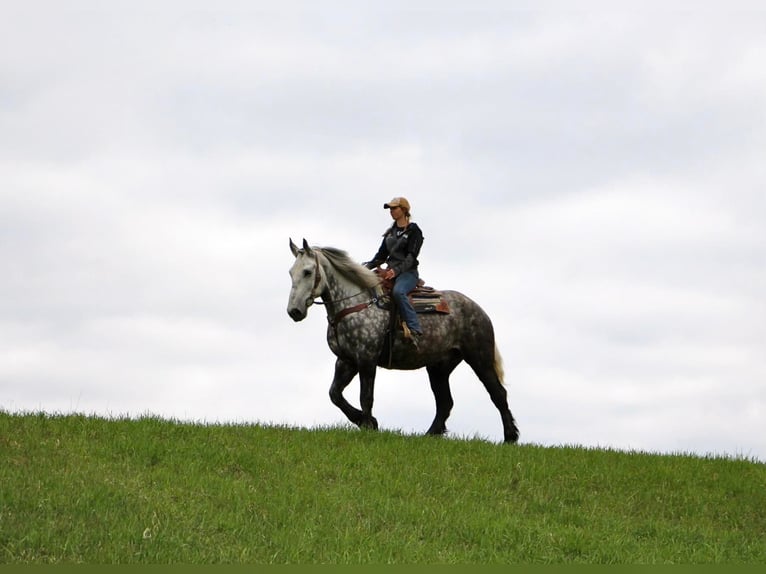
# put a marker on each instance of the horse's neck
(341, 292)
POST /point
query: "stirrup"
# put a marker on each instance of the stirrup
(410, 335)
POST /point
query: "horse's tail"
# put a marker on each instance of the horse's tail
(499, 371)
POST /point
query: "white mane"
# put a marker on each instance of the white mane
(348, 268)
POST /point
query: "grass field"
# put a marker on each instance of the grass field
(84, 489)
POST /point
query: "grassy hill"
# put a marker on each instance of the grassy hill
(83, 489)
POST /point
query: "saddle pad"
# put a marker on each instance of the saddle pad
(428, 300)
(431, 302)
(430, 305)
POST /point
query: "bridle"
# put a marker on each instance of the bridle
(317, 276)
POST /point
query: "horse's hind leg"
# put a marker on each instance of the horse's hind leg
(438, 375)
(487, 373)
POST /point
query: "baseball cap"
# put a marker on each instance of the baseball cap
(398, 202)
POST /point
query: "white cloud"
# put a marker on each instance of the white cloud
(593, 180)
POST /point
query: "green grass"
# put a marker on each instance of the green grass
(83, 489)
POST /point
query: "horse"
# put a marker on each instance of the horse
(358, 335)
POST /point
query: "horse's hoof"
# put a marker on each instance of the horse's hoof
(512, 439)
(369, 424)
(436, 431)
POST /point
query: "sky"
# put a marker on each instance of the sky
(593, 179)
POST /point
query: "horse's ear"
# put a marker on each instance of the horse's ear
(293, 247)
(307, 248)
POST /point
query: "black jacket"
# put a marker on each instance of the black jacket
(399, 249)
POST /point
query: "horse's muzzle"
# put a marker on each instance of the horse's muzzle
(296, 314)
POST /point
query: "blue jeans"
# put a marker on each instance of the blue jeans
(405, 283)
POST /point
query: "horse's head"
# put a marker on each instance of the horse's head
(306, 275)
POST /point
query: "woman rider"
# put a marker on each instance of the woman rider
(399, 250)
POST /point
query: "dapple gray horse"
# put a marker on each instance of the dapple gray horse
(358, 329)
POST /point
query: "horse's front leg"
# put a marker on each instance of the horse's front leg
(367, 395)
(344, 373)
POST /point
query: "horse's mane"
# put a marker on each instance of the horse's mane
(350, 269)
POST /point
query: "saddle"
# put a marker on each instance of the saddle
(424, 299)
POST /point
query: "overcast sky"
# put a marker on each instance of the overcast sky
(594, 180)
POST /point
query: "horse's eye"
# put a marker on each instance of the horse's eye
(307, 272)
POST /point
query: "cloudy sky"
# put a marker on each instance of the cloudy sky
(594, 180)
